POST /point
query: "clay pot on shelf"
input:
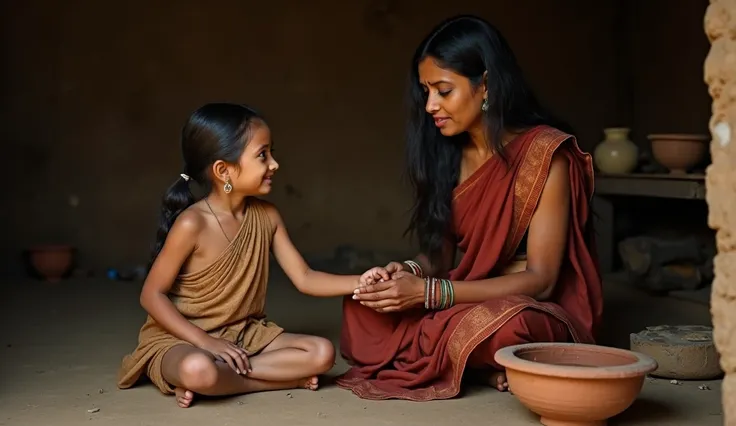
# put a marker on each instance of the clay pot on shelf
(571, 384)
(616, 154)
(52, 262)
(679, 152)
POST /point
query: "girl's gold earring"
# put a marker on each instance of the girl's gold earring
(228, 186)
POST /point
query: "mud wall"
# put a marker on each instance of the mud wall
(720, 74)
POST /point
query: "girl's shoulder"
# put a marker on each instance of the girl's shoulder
(269, 208)
(191, 221)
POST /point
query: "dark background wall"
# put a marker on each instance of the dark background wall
(94, 94)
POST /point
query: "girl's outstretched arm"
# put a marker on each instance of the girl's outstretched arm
(179, 245)
(306, 280)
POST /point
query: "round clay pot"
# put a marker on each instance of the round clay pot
(679, 152)
(616, 153)
(570, 384)
(52, 261)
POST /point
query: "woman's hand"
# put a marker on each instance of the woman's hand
(403, 291)
(228, 352)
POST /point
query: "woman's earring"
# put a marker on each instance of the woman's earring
(228, 186)
(484, 105)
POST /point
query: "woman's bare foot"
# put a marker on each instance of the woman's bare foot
(497, 379)
(310, 383)
(184, 397)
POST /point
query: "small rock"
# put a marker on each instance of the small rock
(101, 390)
(704, 387)
(290, 395)
(240, 402)
(674, 382)
(93, 410)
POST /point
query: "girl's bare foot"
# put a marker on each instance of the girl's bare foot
(310, 383)
(184, 397)
(497, 379)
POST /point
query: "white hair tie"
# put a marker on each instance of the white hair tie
(185, 177)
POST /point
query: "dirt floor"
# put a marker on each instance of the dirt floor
(62, 345)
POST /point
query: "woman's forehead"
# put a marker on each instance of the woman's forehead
(430, 73)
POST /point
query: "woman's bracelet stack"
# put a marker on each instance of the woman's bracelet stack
(439, 293)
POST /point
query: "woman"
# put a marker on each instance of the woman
(496, 178)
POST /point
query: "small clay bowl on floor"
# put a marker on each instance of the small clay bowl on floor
(571, 384)
(51, 261)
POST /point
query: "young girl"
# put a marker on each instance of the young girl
(206, 332)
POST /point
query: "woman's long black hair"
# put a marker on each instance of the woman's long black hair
(469, 46)
(216, 131)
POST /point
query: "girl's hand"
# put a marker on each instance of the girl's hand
(228, 352)
(403, 291)
(394, 267)
(374, 275)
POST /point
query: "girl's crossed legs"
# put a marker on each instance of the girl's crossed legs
(290, 361)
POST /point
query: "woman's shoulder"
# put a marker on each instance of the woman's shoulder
(548, 135)
(546, 142)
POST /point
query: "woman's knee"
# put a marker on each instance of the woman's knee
(197, 372)
(322, 354)
(528, 326)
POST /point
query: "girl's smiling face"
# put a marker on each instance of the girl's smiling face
(256, 166)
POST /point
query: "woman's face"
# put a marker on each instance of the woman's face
(452, 101)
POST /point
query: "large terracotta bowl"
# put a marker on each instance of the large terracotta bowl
(679, 152)
(574, 384)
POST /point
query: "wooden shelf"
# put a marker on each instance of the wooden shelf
(684, 186)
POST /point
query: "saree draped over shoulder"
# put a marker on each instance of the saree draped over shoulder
(225, 299)
(420, 355)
